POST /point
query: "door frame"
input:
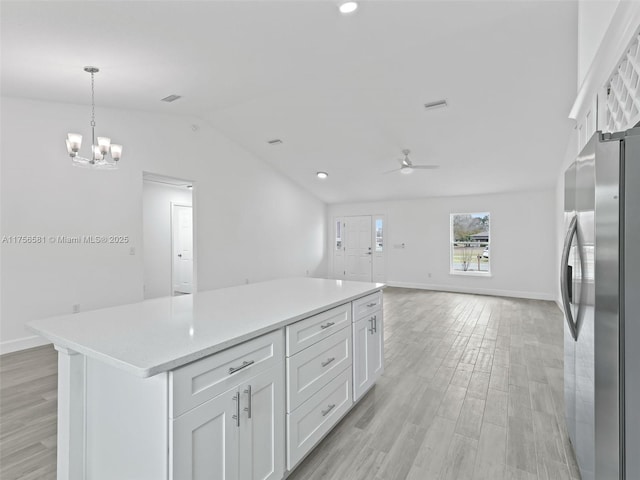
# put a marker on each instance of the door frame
(193, 241)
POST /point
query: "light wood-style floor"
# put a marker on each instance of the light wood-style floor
(472, 389)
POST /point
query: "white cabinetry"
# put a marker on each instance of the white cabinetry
(237, 434)
(319, 378)
(206, 441)
(368, 344)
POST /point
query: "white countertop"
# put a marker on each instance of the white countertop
(158, 335)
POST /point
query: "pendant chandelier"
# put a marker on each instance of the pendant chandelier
(100, 148)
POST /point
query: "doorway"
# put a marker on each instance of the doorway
(358, 248)
(168, 233)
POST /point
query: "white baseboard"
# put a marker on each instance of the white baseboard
(476, 291)
(22, 344)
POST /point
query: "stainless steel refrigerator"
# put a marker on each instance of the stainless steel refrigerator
(600, 283)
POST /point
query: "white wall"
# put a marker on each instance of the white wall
(522, 242)
(156, 235)
(252, 222)
(594, 17)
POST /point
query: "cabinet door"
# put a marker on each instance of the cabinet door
(362, 378)
(205, 441)
(368, 353)
(376, 348)
(262, 440)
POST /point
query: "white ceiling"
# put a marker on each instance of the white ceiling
(344, 93)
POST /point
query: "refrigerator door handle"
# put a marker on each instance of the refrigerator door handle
(566, 277)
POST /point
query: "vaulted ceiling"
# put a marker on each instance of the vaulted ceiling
(345, 93)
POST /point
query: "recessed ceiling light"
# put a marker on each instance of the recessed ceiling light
(275, 141)
(322, 175)
(436, 104)
(170, 98)
(348, 7)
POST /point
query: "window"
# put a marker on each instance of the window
(379, 235)
(338, 241)
(470, 238)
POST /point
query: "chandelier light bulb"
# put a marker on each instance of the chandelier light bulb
(116, 151)
(103, 144)
(74, 141)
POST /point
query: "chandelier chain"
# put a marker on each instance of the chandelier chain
(93, 102)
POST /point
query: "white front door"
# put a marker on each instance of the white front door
(358, 248)
(182, 234)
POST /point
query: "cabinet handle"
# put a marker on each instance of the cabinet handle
(245, 364)
(327, 325)
(375, 323)
(326, 412)
(248, 409)
(329, 360)
(371, 326)
(236, 417)
(373, 304)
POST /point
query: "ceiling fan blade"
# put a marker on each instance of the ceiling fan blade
(426, 167)
(391, 171)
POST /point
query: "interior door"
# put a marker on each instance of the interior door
(358, 248)
(182, 235)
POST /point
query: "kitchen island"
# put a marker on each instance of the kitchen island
(240, 382)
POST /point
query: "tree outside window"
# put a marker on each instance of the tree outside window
(470, 239)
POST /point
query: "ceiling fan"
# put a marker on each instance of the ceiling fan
(407, 167)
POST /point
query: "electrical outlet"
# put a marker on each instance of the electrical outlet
(307, 273)
(75, 308)
(132, 250)
(246, 281)
(429, 274)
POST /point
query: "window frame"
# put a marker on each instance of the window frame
(472, 273)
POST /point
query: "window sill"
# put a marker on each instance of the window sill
(470, 274)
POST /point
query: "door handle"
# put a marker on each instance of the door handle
(566, 277)
(179, 255)
(236, 417)
(248, 408)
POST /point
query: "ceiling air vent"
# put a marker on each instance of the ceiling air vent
(171, 98)
(275, 141)
(437, 104)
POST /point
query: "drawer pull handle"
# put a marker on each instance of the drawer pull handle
(373, 304)
(245, 364)
(326, 412)
(327, 325)
(329, 360)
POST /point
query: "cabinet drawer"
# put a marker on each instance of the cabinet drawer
(314, 418)
(204, 379)
(311, 330)
(364, 306)
(311, 369)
